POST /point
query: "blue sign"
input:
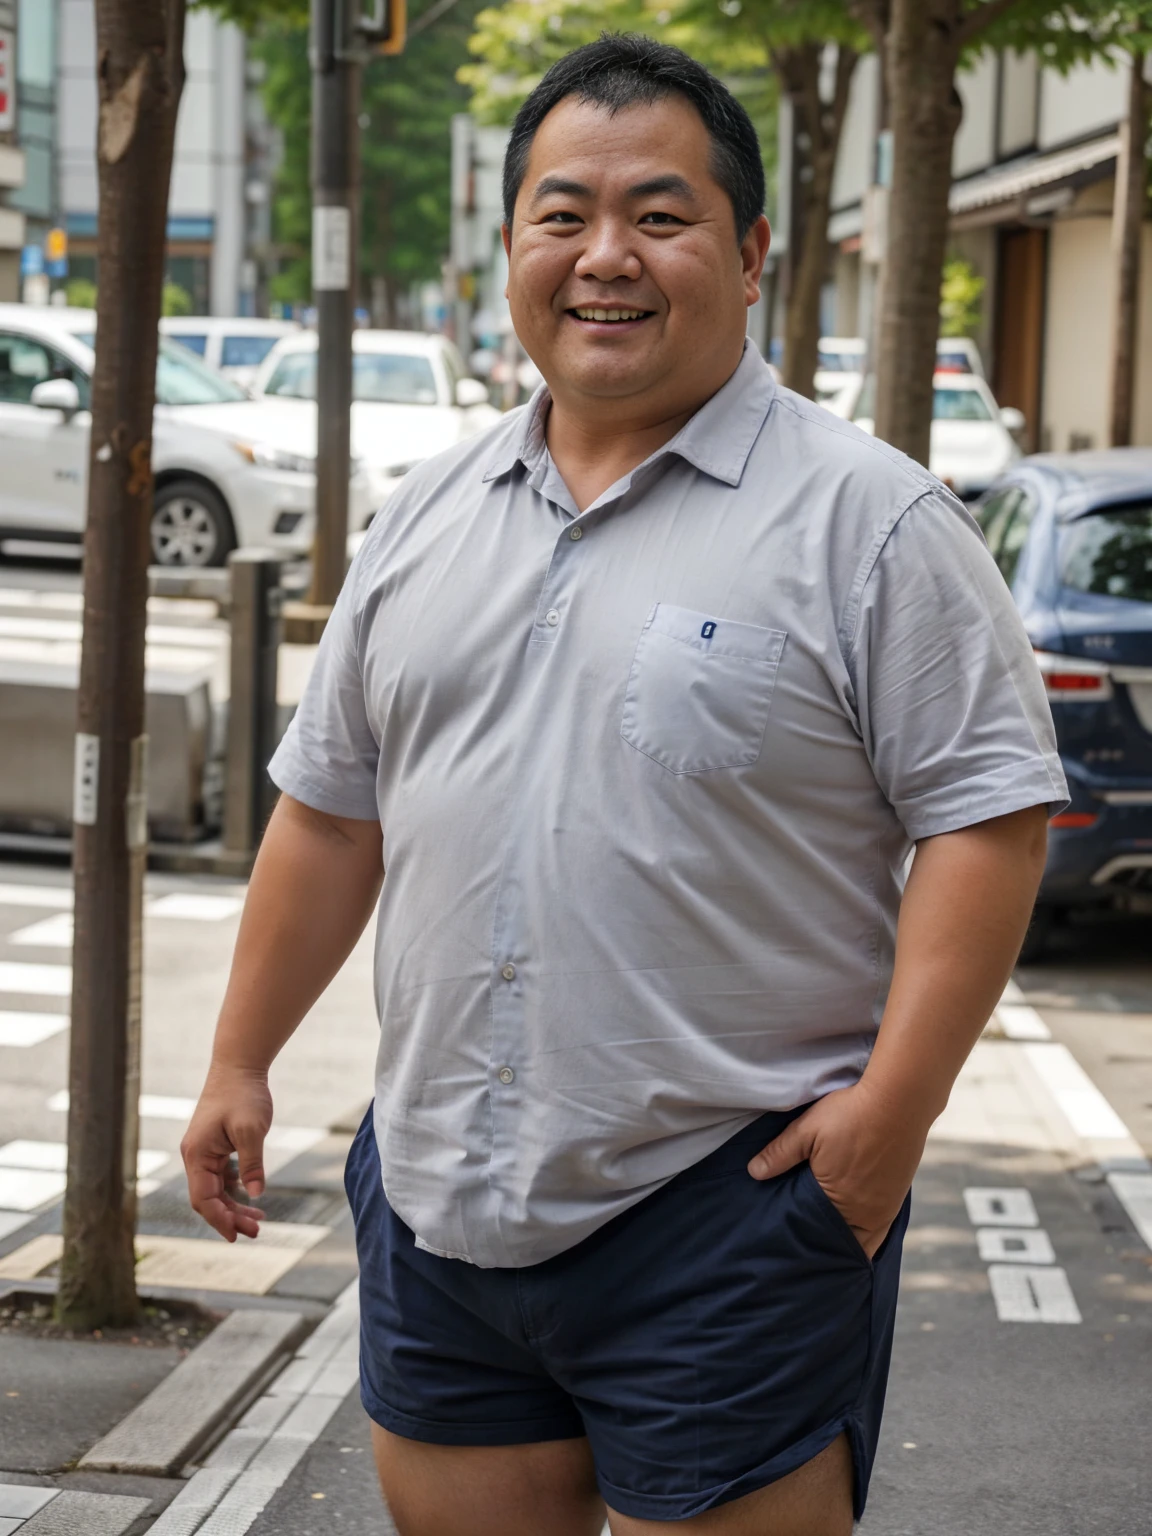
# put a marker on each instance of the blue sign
(31, 261)
(56, 268)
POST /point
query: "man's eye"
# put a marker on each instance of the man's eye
(662, 219)
(561, 216)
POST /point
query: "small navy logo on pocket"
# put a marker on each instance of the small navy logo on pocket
(708, 630)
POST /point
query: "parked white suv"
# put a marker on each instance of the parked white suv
(234, 346)
(411, 398)
(229, 470)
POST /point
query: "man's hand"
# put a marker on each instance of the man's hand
(233, 1116)
(863, 1157)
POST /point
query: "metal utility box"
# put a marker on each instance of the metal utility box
(38, 727)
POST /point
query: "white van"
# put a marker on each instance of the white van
(234, 346)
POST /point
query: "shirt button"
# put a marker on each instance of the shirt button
(552, 617)
(576, 533)
(508, 972)
(506, 1075)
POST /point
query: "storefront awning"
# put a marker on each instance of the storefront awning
(1009, 183)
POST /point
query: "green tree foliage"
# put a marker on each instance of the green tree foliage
(406, 109)
(514, 44)
(175, 300)
(961, 298)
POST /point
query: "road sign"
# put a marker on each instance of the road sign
(31, 261)
(7, 80)
(56, 252)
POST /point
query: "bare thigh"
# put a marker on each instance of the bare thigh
(546, 1489)
(815, 1500)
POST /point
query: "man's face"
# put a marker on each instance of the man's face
(621, 216)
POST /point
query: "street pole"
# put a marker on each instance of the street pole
(1129, 202)
(335, 59)
(140, 47)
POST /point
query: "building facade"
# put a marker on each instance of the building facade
(225, 155)
(1032, 204)
(12, 160)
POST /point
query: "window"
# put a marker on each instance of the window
(182, 379)
(994, 514)
(1015, 536)
(245, 351)
(64, 368)
(959, 405)
(836, 361)
(384, 378)
(23, 365)
(1110, 553)
(197, 342)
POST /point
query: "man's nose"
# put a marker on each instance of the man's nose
(609, 252)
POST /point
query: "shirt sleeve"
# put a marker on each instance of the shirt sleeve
(950, 700)
(329, 754)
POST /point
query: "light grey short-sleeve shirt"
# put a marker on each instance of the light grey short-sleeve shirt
(648, 776)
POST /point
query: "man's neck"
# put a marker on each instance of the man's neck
(593, 454)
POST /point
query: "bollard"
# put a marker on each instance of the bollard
(256, 602)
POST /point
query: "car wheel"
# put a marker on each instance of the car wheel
(190, 525)
(1035, 945)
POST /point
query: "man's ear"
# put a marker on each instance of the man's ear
(506, 236)
(753, 254)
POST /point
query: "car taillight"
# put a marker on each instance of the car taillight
(1072, 679)
(1074, 819)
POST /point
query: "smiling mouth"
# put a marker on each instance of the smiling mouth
(609, 316)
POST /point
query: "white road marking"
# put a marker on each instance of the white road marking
(49, 932)
(1087, 1110)
(195, 906)
(226, 1496)
(1024, 1295)
(52, 1157)
(56, 896)
(1015, 1245)
(153, 1106)
(24, 1029)
(36, 980)
(1134, 1192)
(1019, 1021)
(1000, 1208)
(12, 1221)
(24, 1189)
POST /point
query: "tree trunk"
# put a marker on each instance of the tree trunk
(140, 74)
(1131, 197)
(922, 51)
(821, 124)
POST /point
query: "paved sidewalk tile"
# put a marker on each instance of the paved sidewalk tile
(85, 1514)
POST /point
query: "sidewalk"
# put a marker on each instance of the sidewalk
(289, 1299)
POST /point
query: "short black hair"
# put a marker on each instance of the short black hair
(625, 70)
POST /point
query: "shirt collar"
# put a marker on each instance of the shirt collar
(716, 440)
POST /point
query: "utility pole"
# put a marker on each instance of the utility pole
(336, 64)
(344, 35)
(1129, 203)
(139, 44)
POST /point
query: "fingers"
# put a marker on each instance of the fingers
(792, 1146)
(219, 1182)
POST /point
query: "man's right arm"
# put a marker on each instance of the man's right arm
(313, 888)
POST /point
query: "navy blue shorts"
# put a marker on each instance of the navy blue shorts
(707, 1341)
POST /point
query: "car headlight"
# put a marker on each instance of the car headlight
(267, 457)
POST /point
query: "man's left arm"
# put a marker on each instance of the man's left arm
(965, 910)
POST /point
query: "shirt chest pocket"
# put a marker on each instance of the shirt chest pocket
(700, 690)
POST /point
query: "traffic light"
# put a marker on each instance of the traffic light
(387, 26)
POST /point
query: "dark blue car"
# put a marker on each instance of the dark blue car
(1072, 535)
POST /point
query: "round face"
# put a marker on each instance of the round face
(628, 286)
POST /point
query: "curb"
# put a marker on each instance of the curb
(202, 1395)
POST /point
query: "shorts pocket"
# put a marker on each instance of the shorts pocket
(700, 690)
(830, 1216)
